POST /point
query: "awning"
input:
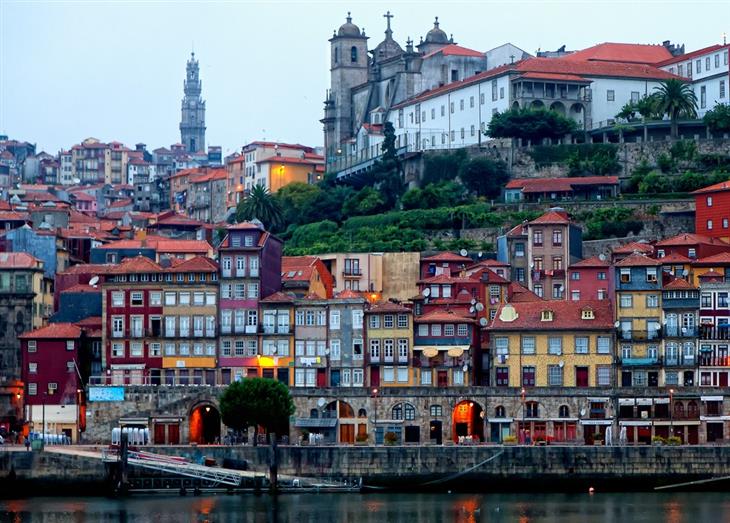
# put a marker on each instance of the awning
(626, 401)
(316, 423)
(432, 350)
(499, 420)
(643, 401)
(660, 401)
(134, 421)
(127, 366)
(635, 423)
(679, 422)
(714, 418)
(711, 398)
(596, 422)
(598, 400)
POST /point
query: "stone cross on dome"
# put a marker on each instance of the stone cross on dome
(388, 16)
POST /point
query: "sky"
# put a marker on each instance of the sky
(114, 70)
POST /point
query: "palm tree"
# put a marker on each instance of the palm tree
(262, 205)
(676, 98)
(646, 107)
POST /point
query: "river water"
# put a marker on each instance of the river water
(379, 508)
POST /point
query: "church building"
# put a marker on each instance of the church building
(192, 124)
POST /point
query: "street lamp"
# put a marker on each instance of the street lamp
(522, 394)
(671, 412)
(375, 417)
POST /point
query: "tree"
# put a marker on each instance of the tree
(675, 98)
(530, 124)
(718, 118)
(366, 201)
(442, 167)
(484, 176)
(262, 205)
(646, 107)
(627, 112)
(257, 402)
(387, 174)
(297, 202)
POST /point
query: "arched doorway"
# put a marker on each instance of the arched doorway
(467, 422)
(537, 104)
(205, 424)
(558, 107)
(577, 113)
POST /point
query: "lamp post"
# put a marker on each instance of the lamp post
(375, 417)
(522, 394)
(671, 412)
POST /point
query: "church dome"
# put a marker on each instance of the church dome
(387, 49)
(348, 28)
(436, 35)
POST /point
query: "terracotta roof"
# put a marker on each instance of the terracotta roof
(177, 219)
(688, 56)
(86, 268)
(517, 230)
(488, 263)
(621, 52)
(718, 187)
(567, 315)
(690, 239)
(161, 245)
(54, 331)
(196, 264)
(678, 283)
(13, 216)
(634, 247)
(211, 175)
(289, 160)
(538, 185)
(551, 217)
(455, 50)
(445, 278)
(243, 226)
(491, 276)
(638, 260)
(715, 259)
(521, 294)
(386, 306)
(441, 316)
(278, 297)
(122, 202)
(91, 321)
(82, 196)
(347, 295)
(674, 257)
(447, 257)
(593, 261)
(138, 264)
(373, 128)
(18, 260)
(712, 273)
(82, 287)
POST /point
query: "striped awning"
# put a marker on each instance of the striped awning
(431, 351)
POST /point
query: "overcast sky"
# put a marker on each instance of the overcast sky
(115, 70)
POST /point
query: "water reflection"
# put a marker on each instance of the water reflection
(378, 508)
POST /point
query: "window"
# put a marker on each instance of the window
(538, 290)
(402, 321)
(528, 345)
(357, 349)
(610, 95)
(519, 249)
(581, 344)
(32, 389)
(557, 237)
(601, 275)
(555, 345)
(155, 349)
(170, 298)
(555, 376)
(634, 97)
(402, 377)
(117, 327)
(537, 238)
(626, 301)
(170, 322)
(652, 301)
(546, 315)
(353, 54)
(155, 299)
(448, 330)
(118, 299)
(651, 274)
(557, 263)
(502, 376)
(575, 276)
(501, 344)
(698, 66)
(528, 376)
(709, 225)
(703, 96)
(426, 377)
(691, 253)
(357, 316)
(625, 276)
(388, 321)
(494, 90)
(52, 387)
(117, 350)
(136, 349)
(32, 346)
(575, 295)
(707, 63)
(722, 88)
(458, 377)
(436, 329)
(33, 368)
(462, 330)
(436, 411)
(334, 320)
(603, 345)
(532, 409)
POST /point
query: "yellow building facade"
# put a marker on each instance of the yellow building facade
(390, 345)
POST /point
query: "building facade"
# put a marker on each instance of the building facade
(192, 123)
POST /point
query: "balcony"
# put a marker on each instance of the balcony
(711, 359)
(638, 335)
(270, 329)
(675, 331)
(354, 272)
(680, 361)
(641, 362)
(711, 332)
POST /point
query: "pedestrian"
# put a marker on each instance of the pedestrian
(26, 442)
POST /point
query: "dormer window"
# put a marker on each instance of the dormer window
(625, 275)
(660, 253)
(587, 314)
(546, 315)
(651, 274)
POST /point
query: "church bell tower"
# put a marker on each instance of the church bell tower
(192, 124)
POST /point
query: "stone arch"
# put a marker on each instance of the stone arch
(558, 107)
(204, 423)
(577, 112)
(467, 421)
(403, 411)
(500, 411)
(353, 54)
(362, 413)
(515, 105)
(563, 411)
(537, 104)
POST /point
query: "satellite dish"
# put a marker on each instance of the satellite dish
(472, 310)
(465, 367)
(561, 364)
(93, 281)
(483, 322)
(685, 272)
(473, 301)
(617, 325)
(273, 350)
(326, 351)
(479, 254)
(479, 307)
(426, 292)
(602, 257)
(321, 402)
(582, 412)
(532, 264)
(463, 252)
(76, 181)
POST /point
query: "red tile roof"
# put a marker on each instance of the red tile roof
(638, 260)
(18, 260)
(278, 297)
(567, 315)
(386, 306)
(678, 283)
(243, 226)
(348, 295)
(712, 273)
(552, 217)
(593, 261)
(634, 247)
(688, 56)
(517, 230)
(162, 245)
(122, 202)
(718, 187)
(620, 52)
(54, 331)
(13, 216)
(538, 185)
(211, 175)
(196, 264)
(488, 263)
(445, 278)
(555, 76)
(290, 160)
(520, 294)
(715, 259)
(82, 287)
(88, 268)
(690, 239)
(138, 264)
(455, 50)
(440, 316)
(674, 257)
(447, 257)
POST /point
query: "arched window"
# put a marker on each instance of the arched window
(532, 409)
(353, 54)
(563, 411)
(678, 410)
(362, 413)
(410, 412)
(436, 410)
(346, 410)
(314, 413)
(692, 409)
(337, 54)
(500, 412)
(398, 411)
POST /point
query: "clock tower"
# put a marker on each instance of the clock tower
(192, 124)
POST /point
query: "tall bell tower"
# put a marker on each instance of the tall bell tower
(192, 124)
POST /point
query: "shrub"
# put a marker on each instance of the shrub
(674, 440)
(510, 438)
(655, 182)
(683, 150)
(361, 438)
(530, 124)
(658, 440)
(597, 436)
(718, 119)
(390, 438)
(664, 162)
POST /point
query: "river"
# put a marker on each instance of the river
(703, 507)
